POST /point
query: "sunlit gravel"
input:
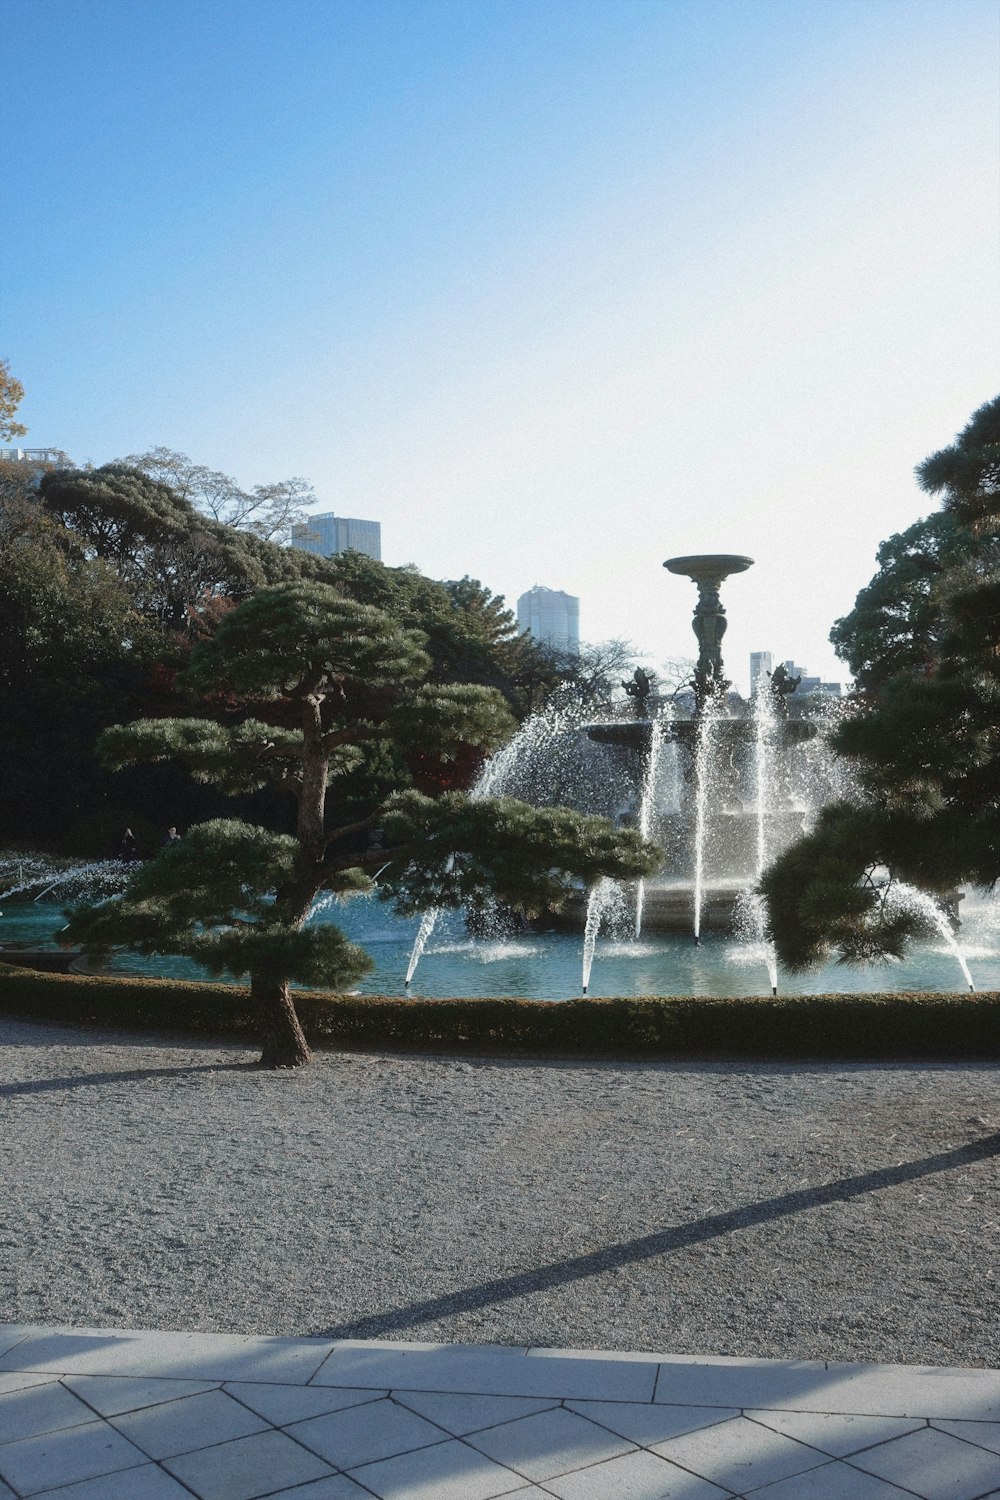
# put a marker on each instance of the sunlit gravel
(157, 1183)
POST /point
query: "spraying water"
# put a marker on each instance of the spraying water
(646, 812)
(763, 713)
(603, 898)
(36, 874)
(427, 924)
(702, 771)
(911, 899)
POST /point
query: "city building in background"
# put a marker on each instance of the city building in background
(761, 663)
(550, 617)
(327, 534)
(34, 456)
(812, 684)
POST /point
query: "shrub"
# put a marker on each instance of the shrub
(814, 1026)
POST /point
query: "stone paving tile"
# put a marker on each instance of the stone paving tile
(834, 1481)
(188, 1423)
(985, 1434)
(449, 1471)
(739, 1454)
(812, 1385)
(547, 1351)
(12, 1334)
(490, 1374)
(40, 1408)
(281, 1404)
(464, 1414)
(934, 1465)
(648, 1424)
(836, 1434)
(247, 1468)
(363, 1434)
(336, 1487)
(147, 1483)
(12, 1380)
(192, 1356)
(61, 1458)
(112, 1395)
(637, 1476)
(6, 1493)
(549, 1443)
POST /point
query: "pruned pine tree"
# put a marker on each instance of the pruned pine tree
(332, 700)
(924, 738)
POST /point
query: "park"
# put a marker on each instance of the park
(440, 1059)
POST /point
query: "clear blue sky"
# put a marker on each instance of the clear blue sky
(553, 290)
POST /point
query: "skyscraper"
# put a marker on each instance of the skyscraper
(550, 617)
(328, 534)
(760, 664)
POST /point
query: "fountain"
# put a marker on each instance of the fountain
(751, 774)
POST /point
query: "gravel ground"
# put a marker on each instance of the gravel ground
(159, 1183)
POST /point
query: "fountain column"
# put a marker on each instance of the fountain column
(709, 571)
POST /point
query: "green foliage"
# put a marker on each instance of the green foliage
(11, 396)
(789, 1026)
(469, 634)
(924, 740)
(332, 701)
(169, 557)
(895, 624)
(458, 851)
(302, 638)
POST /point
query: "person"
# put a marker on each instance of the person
(170, 837)
(128, 850)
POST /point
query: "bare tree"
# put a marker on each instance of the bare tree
(269, 511)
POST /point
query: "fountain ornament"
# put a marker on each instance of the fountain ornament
(709, 571)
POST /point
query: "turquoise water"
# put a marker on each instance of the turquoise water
(547, 966)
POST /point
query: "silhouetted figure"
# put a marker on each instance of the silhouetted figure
(639, 689)
(128, 849)
(170, 837)
(782, 685)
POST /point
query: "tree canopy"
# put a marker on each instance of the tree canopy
(268, 511)
(335, 702)
(924, 739)
(11, 396)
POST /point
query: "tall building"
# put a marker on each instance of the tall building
(550, 617)
(327, 534)
(812, 684)
(761, 663)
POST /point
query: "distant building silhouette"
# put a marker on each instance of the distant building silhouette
(550, 617)
(812, 684)
(35, 456)
(327, 534)
(761, 663)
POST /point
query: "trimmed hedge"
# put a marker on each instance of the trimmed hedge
(835, 1026)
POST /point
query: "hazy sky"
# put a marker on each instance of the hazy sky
(555, 289)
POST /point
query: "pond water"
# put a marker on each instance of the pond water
(547, 966)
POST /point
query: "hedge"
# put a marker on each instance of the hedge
(833, 1026)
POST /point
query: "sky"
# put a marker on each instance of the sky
(554, 289)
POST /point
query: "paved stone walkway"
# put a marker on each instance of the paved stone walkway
(90, 1414)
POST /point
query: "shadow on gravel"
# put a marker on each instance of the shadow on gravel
(647, 1246)
(127, 1075)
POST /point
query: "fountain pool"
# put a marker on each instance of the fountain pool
(547, 965)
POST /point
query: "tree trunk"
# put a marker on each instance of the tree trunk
(282, 1043)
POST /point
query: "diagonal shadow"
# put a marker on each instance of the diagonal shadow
(647, 1246)
(126, 1075)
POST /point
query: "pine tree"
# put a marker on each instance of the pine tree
(334, 702)
(924, 740)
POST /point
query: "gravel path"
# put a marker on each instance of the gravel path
(158, 1183)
